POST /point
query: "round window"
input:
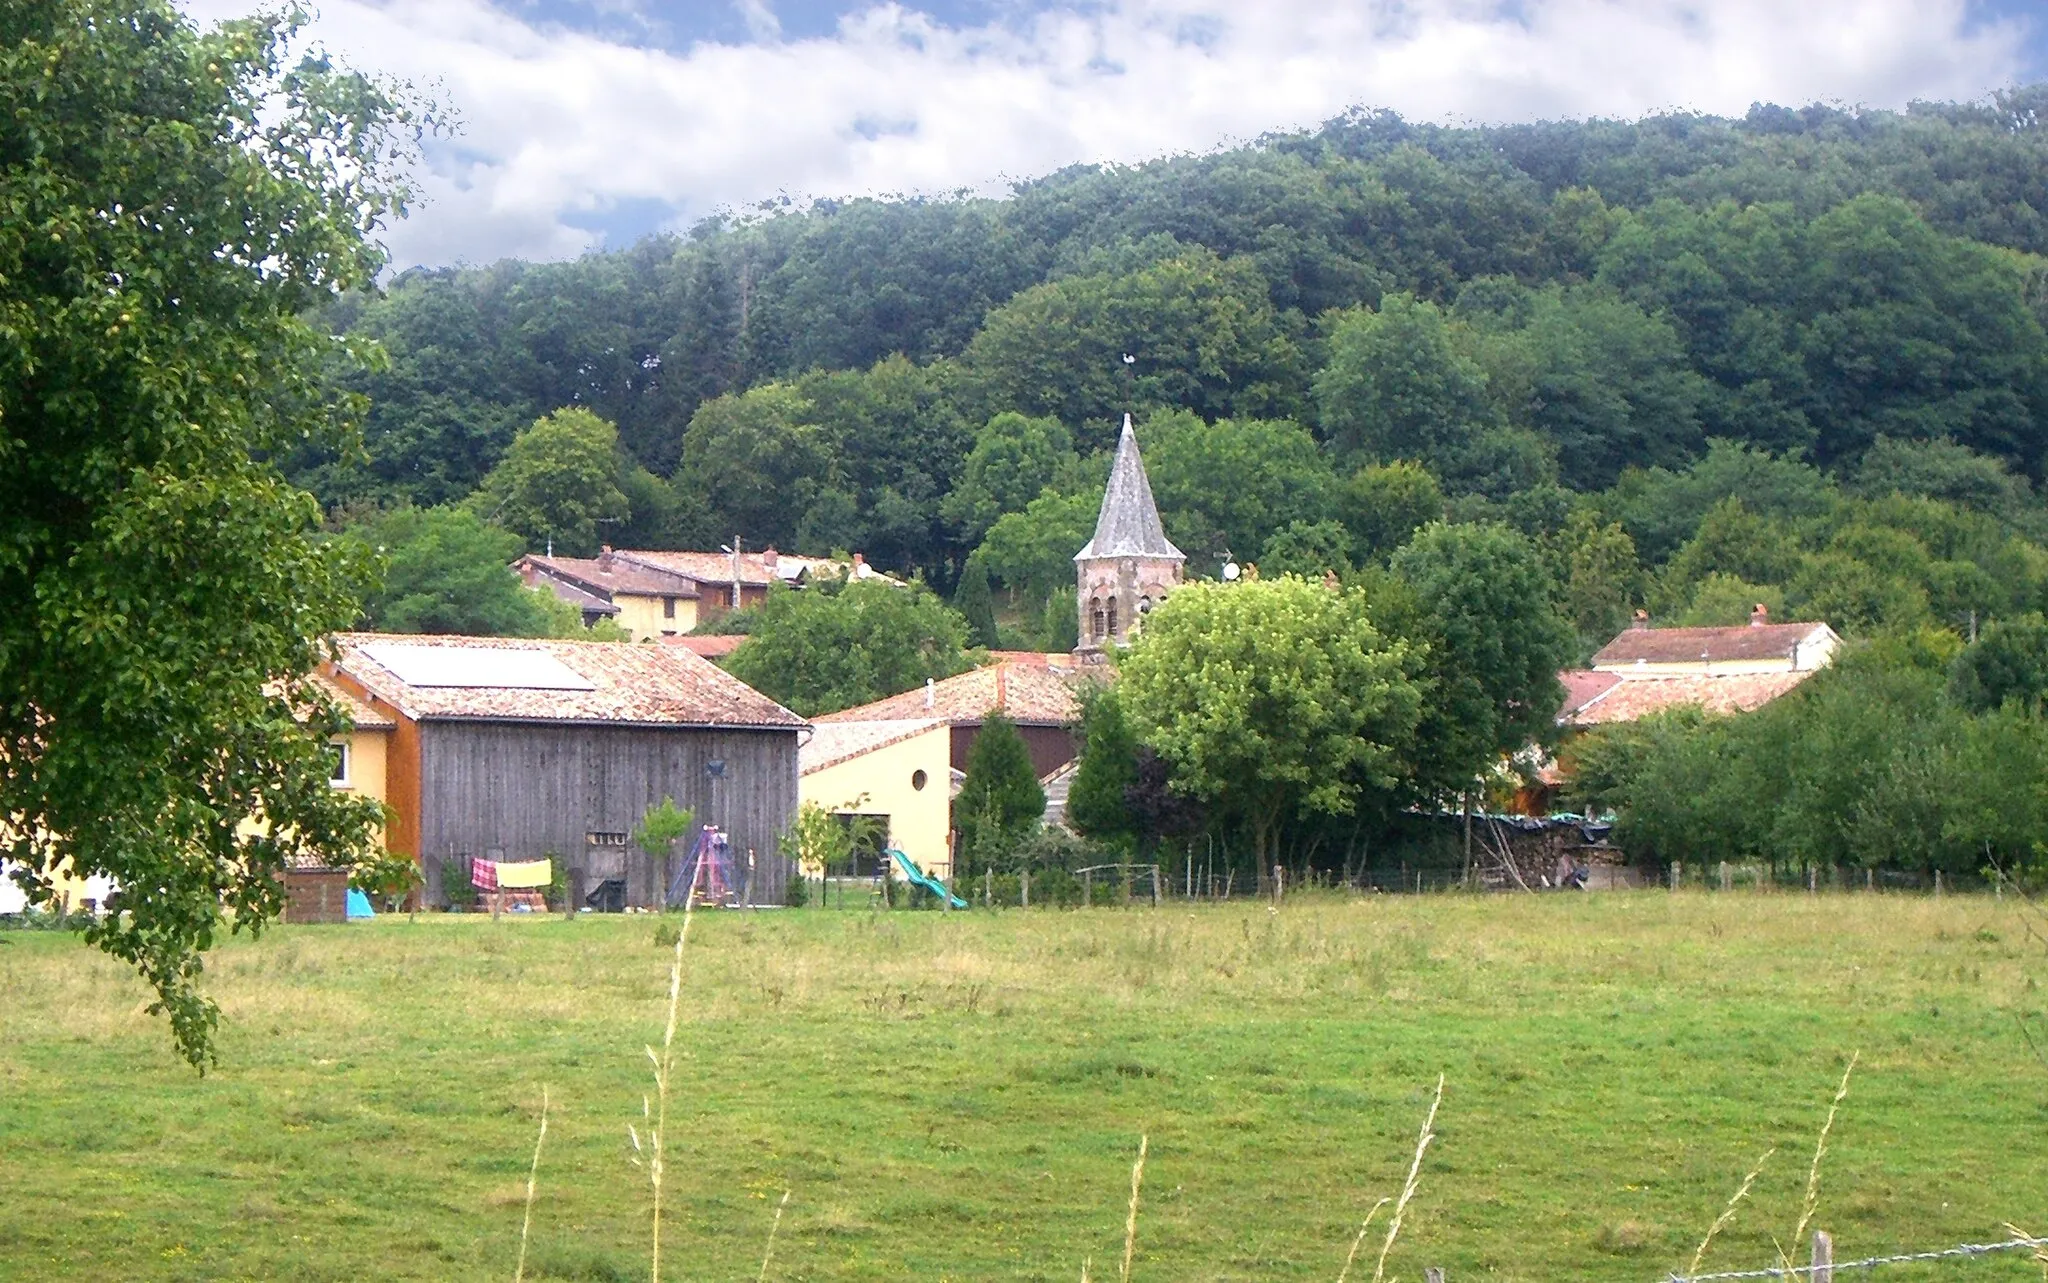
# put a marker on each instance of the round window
(918, 779)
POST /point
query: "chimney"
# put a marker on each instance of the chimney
(860, 566)
(769, 558)
(929, 684)
(1642, 619)
(604, 557)
(1759, 615)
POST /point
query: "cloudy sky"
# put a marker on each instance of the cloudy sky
(592, 122)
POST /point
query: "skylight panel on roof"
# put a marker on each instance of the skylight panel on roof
(477, 667)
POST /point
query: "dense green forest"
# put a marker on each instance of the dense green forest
(1796, 357)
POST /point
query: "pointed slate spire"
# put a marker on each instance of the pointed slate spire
(1129, 522)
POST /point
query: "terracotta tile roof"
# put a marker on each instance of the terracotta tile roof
(1715, 645)
(756, 568)
(834, 742)
(1030, 694)
(605, 576)
(358, 709)
(710, 646)
(627, 683)
(1581, 687)
(1044, 659)
(1636, 697)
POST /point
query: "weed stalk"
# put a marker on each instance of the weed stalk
(532, 1179)
(654, 1151)
(1727, 1215)
(1379, 1269)
(1131, 1219)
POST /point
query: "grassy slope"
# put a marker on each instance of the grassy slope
(959, 1096)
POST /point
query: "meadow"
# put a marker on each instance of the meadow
(960, 1096)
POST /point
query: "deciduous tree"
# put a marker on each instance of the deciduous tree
(175, 204)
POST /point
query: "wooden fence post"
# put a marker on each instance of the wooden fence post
(1677, 871)
(1279, 884)
(1024, 881)
(1937, 884)
(575, 896)
(1724, 875)
(1087, 888)
(1155, 886)
(1812, 879)
(1823, 1258)
(747, 891)
(988, 887)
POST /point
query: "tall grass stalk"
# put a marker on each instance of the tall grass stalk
(532, 1179)
(1131, 1218)
(1359, 1240)
(773, 1226)
(1379, 1269)
(652, 1155)
(1727, 1215)
(1820, 1150)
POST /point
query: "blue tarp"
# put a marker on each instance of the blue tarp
(359, 905)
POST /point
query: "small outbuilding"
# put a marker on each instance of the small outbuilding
(513, 749)
(893, 773)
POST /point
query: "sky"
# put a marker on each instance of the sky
(590, 123)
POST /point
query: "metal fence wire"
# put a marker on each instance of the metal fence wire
(1868, 1263)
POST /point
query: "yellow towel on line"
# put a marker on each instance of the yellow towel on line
(529, 873)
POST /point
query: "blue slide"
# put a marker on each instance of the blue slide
(919, 877)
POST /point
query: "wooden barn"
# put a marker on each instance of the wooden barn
(514, 749)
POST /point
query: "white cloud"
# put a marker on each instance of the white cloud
(561, 127)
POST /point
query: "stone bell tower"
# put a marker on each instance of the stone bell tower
(1130, 565)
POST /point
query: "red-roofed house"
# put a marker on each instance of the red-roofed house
(511, 749)
(1757, 647)
(666, 594)
(1038, 698)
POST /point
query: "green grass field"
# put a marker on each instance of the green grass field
(960, 1096)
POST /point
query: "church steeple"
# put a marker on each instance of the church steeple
(1130, 564)
(1128, 525)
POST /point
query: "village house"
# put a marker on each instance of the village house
(894, 773)
(514, 749)
(1035, 697)
(653, 594)
(1758, 647)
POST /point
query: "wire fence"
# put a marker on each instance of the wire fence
(1828, 1270)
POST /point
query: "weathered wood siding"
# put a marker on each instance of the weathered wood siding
(518, 791)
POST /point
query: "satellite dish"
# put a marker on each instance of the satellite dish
(1230, 572)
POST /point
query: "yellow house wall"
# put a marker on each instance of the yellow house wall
(368, 754)
(642, 617)
(920, 820)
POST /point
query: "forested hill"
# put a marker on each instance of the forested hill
(1533, 314)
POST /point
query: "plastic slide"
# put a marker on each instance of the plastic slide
(919, 877)
(359, 905)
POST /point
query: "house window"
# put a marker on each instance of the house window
(604, 838)
(918, 779)
(1100, 631)
(339, 778)
(668, 608)
(1112, 618)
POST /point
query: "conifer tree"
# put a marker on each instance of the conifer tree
(1096, 805)
(974, 601)
(1000, 800)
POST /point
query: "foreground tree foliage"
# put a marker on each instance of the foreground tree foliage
(830, 647)
(175, 202)
(1274, 699)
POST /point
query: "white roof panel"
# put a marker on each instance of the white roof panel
(477, 666)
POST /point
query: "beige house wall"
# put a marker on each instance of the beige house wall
(883, 782)
(645, 619)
